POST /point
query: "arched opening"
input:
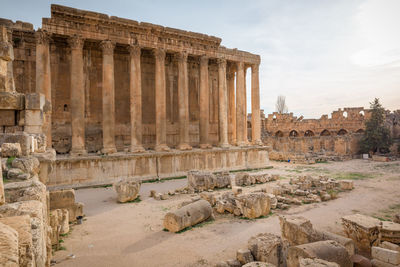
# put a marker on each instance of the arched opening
(274, 117)
(278, 134)
(309, 133)
(362, 113)
(342, 132)
(325, 133)
(360, 131)
(345, 114)
(293, 133)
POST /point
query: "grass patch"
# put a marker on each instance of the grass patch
(199, 225)
(103, 186)
(333, 193)
(9, 161)
(352, 176)
(321, 161)
(380, 218)
(62, 248)
(136, 200)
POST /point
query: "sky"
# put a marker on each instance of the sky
(320, 54)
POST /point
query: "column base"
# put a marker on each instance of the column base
(109, 150)
(242, 143)
(224, 145)
(137, 149)
(205, 146)
(162, 148)
(184, 147)
(78, 152)
(258, 143)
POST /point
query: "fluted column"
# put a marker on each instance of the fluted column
(232, 104)
(222, 104)
(77, 94)
(204, 96)
(108, 97)
(183, 101)
(240, 105)
(255, 105)
(43, 79)
(161, 108)
(245, 132)
(135, 87)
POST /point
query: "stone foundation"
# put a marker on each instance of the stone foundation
(100, 170)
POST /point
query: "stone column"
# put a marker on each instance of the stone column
(183, 101)
(222, 104)
(43, 79)
(255, 106)
(77, 102)
(232, 104)
(136, 99)
(161, 109)
(240, 105)
(108, 97)
(204, 96)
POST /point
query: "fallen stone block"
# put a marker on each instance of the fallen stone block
(203, 181)
(2, 197)
(27, 164)
(386, 255)
(390, 231)
(390, 246)
(266, 247)
(237, 190)
(348, 243)
(258, 264)
(253, 205)
(274, 189)
(363, 230)
(297, 230)
(397, 218)
(244, 256)
(328, 250)
(222, 264)
(346, 184)
(22, 224)
(9, 254)
(360, 261)
(11, 150)
(317, 263)
(273, 201)
(127, 190)
(188, 215)
(65, 199)
(223, 179)
(34, 209)
(378, 263)
(244, 179)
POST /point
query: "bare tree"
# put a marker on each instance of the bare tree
(281, 105)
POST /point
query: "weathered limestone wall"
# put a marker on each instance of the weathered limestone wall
(97, 170)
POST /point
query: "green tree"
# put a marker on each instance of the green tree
(376, 136)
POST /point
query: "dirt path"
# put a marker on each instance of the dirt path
(132, 234)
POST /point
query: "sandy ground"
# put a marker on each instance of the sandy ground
(132, 234)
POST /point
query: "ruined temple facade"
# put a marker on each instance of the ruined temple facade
(325, 138)
(116, 84)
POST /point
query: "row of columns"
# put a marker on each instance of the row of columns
(231, 111)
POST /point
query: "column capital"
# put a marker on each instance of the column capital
(240, 64)
(76, 42)
(42, 37)
(135, 50)
(255, 68)
(221, 62)
(108, 47)
(204, 60)
(181, 56)
(159, 53)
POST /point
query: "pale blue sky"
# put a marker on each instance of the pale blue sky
(320, 54)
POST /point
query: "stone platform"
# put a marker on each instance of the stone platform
(92, 170)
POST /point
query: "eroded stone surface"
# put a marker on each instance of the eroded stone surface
(127, 190)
